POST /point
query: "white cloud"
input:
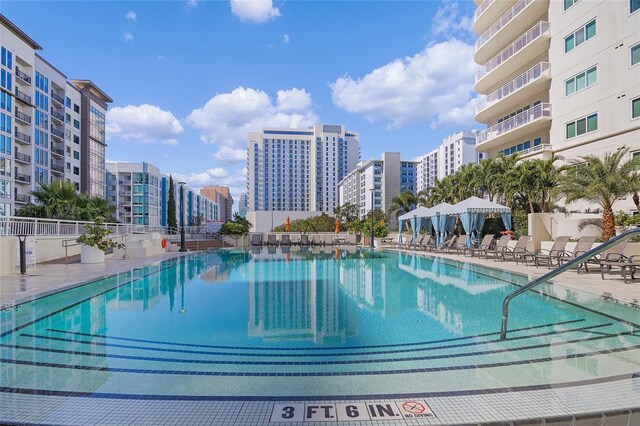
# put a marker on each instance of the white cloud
(256, 11)
(144, 123)
(227, 117)
(128, 37)
(293, 100)
(191, 4)
(423, 87)
(286, 39)
(131, 15)
(161, 58)
(226, 154)
(450, 21)
(236, 180)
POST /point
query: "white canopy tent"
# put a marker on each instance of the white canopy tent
(472, 213)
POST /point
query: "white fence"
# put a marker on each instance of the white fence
(14, 225)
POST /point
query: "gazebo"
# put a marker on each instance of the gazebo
(423, 216)
(472, 213)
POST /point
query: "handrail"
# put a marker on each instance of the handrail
(578, 260)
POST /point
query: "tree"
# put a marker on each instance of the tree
(172, 220)
(601, 181)
(346, 212)
(236, 226)
(403, 203)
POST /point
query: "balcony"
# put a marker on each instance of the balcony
(522, 14)
(22, 77)
(22, 178)
(22, 137)
(23, 198)
(536, 79)
(57, 131)
(57, 168)
(488, 12)
(529, 121)
(57, 115)
(22, 117)
(57, 98)
(23, 158)
(21, 96)
(56, 150)
(534, 150)
(531, 44)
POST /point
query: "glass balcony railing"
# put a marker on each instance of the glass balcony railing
(501, 22)
(519, 120)
(483, 6)
(517, 83)
(526, 39)
(57, 131)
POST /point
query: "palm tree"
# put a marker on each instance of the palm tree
(59, 199)
(403, 203)
(601, 181)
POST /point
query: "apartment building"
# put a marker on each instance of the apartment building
(455, 151)
(198, 209)
(222, 196)
(242, 205)
(386, 178)
(38, 122)
(558, 77)
(135, 189)
(296, 172)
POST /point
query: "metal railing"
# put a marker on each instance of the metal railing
(16, 225)
(21, 177)
(23, 76)
(57, 97)
(22, 137)
(519, 120)
(527, 38)
(58, 132)
(23, 198)
(23, 96)
(501, 22)
(56, 114)
(23, 157)
(570, 264)
(530, 75)
(22, 116)
(480, 9)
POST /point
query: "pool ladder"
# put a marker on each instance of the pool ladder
(570, 264)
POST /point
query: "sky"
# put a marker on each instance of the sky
(189, 79)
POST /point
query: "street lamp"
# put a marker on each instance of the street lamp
(371, 245)
(182, 244)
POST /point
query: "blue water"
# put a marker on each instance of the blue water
(315, 322)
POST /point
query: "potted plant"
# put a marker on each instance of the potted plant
(94, 242)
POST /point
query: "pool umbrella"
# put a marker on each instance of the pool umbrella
(287, 224)
(337, 226)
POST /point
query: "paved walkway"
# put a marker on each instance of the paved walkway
(51, 278)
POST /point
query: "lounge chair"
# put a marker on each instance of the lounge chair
(516, 253)
(447, 245)
(625, 264)
(429, 245)
(613, 254)
(549, 257)
(271, 240)
(285, 240)
(583, 245)
(256, 240)
(304, 240)
(416, 244)
(485, 244)
(498, 248)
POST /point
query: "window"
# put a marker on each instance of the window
(635, 108)
(634, 5)
(67, 102)
(569, 3)
(76, 124)
(76, 139)
(581, 81)
(76, 108)
(76, 170)
(67, 118)
(581, 126)
(580, 36)
(635, 54)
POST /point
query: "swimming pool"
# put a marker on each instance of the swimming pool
(318, 324)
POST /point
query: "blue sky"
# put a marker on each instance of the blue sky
(189, 79)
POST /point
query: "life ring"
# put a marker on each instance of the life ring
(164, 243)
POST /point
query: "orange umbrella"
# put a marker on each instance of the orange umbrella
(337, 226)
(287, 224)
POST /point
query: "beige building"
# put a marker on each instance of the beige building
(558, 77)
(222, 196)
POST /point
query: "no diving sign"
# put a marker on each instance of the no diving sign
(359, 411)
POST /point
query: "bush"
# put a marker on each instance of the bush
(520, 225)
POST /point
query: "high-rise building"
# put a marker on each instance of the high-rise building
(222, 196)
(386, 177)
(559, 77)
(198, 209)
(41, 113)
(455, 151)
(135, 189)
(298, 170)
(242, 205)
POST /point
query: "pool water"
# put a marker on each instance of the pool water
(277, 323)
